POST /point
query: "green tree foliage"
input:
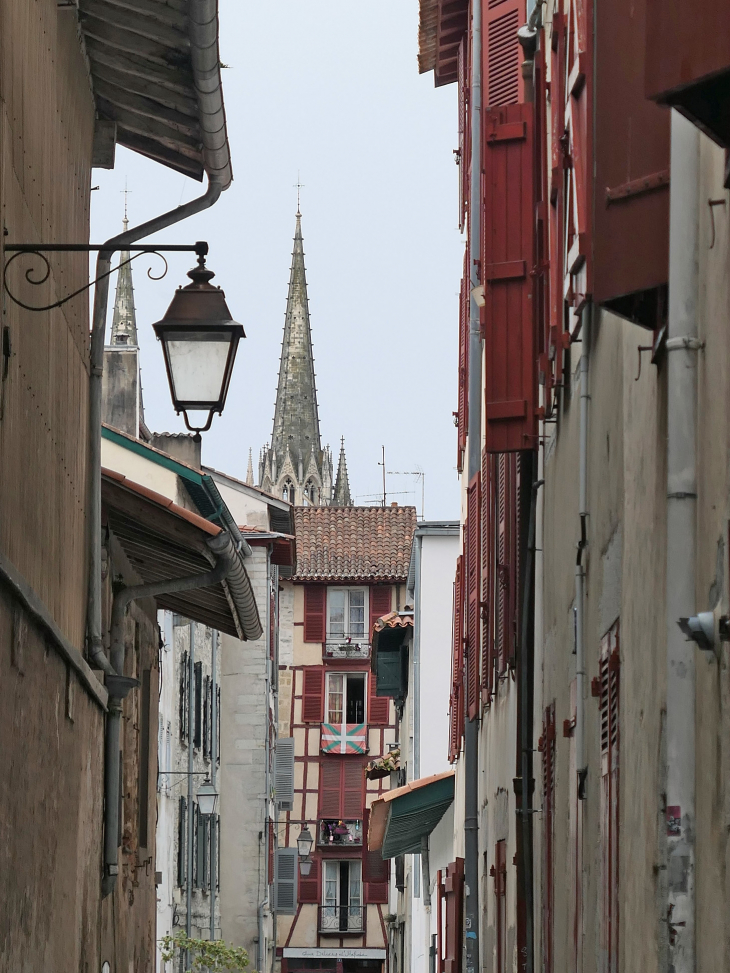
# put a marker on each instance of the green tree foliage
(206, 955)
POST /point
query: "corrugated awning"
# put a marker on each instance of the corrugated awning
(155, 72)
(402, 817)
(163, 540)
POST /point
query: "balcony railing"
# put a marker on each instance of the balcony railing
(334, 832)
(346, 647)
(338, 919)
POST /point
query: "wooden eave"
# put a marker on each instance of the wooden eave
(443, 24)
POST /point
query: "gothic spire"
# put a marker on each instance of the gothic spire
(296, 420)
(124, 322)
(249, 471)
(342, 496)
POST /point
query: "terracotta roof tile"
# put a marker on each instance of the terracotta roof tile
(353, 543)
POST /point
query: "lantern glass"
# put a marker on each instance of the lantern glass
(207, 797)
(198, 362)
(304, 842)
(305, 866)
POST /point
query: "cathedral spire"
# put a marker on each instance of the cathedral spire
(249, 471)
(296, 420)
(124, 322)
(342, 497)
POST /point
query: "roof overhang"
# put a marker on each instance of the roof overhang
(442, 25)
(389, 633)
(155, 74)
(162, 541)
(403, 817)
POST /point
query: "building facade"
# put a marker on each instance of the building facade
(352, 565)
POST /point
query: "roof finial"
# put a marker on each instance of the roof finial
(126, 193)
(299, 186)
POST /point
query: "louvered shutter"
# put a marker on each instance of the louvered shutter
(548, 747)
(462, 415)
(502, 57)
(315, 608)
(182, 856)
(309, 886)
(353, 789)
(285, 881)
(379, 706)
(456, 727)
(489, 494)
(206, 716)
(503, 574)
(508, 229)
(330, 787)
(284, 773)
(313, 694)
(513, 521)
(183, 698)
(473, 505)
(462, 62)
(380, 604)
(376, 872)
(558, 164)
(578, 268)
(198, 706)
(609, 680)
(454, 894)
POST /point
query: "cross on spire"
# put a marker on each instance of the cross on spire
(298, 186)
(126, 193)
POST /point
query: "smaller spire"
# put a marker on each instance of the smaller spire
(342, 497)
(249, 471)
(124, 321)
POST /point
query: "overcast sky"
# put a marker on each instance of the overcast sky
(329, 89)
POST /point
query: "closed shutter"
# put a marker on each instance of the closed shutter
(272, 625)
(489, 495)
(507, 559)
(285, 881)
(206, 716)
(315, 607)
(313, 698)
(379, 706)
(462, 64)
(454, 895)
(548, 748)
(182, 852)
(507, 262)
(376, 872)
(353, 788)
(198, 706)
(462, 416)
(380, 604)
(609, 685)
(473, 505)
(309, 886)
(201, 851)
(502, 52)
(183, 698)
(456, 727)
(284, 773)
(330, 787)
(558, 166)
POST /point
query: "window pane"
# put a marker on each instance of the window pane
(357, 613)
(331, 870)
(337, 613)
(335, 696)
(355, 884)
(356, 698)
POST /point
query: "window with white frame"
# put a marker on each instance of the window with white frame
(342, 896)
(346, 697)
(346, 613)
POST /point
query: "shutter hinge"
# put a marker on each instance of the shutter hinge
(568, 727)
(595, 687)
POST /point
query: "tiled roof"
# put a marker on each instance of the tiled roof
(363, 544)
(394, 620)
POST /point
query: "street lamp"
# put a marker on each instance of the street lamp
(304, 847)
(207, 797)
(199, 341)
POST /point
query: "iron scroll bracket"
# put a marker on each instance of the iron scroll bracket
(36, 277)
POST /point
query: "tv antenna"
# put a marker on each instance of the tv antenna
(419, 474)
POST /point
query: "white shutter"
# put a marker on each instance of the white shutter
(285, 878)
(284, 773)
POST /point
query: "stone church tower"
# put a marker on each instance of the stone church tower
(294, 466)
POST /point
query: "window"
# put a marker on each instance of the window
(287, 491)
(346, 613)
(345, 697)
(198, 706)
(341, 897)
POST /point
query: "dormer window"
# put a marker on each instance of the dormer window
(346, 609)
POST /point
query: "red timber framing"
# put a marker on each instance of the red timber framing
(473, 595)
(456, 700)
(608, 691)
(508, 229)
(454, 909)
(548, 748)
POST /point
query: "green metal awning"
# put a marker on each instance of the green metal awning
(403, 817)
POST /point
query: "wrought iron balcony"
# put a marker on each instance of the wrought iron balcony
(339, 919)
(334, 832)
(346, 647)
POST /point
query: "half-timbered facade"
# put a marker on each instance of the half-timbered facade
(352, 565)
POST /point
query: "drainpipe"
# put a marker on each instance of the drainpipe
(213, 770)
(474, 449)
(96, 366)
(682, 347)
(118, 686)
(191, 764)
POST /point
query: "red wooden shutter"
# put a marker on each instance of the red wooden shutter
(558, 164)
(330, 787)
(315, 608)
(380, 603)
(375, 871)
(462, 416)
(502, 54)
(379, 707)
(313, 698)
(454, 887)
(609, 676)
(489, 566)
(578, 267)
(309, 886)
(548, 747)
(473, 505)
(353, 789)
(507, 559)
(463, 69)
(456, 727)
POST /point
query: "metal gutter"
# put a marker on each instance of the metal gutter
(205, 57)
